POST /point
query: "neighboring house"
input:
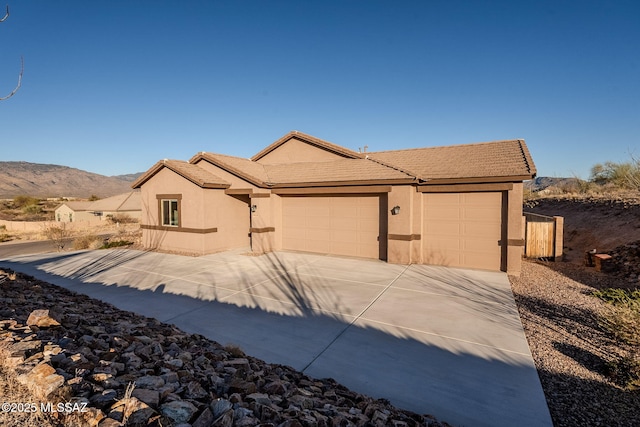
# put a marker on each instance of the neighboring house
(457, 206)
(73, 211)
(123, 204)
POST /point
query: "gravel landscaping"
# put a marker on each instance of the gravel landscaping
(570, 348)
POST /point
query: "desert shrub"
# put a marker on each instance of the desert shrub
(57, 233)
(22, 201)
(625, 175)
(4, 237)
(121, 219)
(234, 350)
(622, 319)
(32, 209)
(116, 244)
(625, 371)
(88, 241)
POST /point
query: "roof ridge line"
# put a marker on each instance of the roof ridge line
(390, 166)
(525, 155)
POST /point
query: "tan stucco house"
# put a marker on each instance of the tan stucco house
(456, 205)
(128, 204)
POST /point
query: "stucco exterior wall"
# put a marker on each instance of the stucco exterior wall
(515, 229)
(402, 230)
(209, 220)
(65, 214)
(295, 151)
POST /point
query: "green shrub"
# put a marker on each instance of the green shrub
(22, 201)
(32, 209)
(116, 244)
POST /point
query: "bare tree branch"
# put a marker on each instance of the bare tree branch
(13, 92)
(6, 15)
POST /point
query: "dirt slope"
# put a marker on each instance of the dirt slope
(592, 223)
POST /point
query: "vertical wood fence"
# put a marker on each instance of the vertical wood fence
(543, 236)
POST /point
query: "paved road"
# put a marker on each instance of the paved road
(13, 248)
(9, 249)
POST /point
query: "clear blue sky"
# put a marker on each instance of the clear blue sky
(111, 87)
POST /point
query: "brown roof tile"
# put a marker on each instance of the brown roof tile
(490, 159)
(193, 173)
(335, 171)
(342, 151)
(244, 168)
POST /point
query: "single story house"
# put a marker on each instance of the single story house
(454, 205)
(73, 211)
(122, 204)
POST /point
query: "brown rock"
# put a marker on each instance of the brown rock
(44, 318)
(42, 379)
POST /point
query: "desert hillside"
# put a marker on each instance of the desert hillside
(42, 180)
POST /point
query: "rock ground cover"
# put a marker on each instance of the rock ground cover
(132, 370)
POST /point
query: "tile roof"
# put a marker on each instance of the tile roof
(335, 171)
(122, 202)
(244, 168)
(484, 160)
(342, 151)
(509, 160)
(76, 205)
(193, 173)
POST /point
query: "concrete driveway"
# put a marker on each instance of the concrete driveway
(443, 341)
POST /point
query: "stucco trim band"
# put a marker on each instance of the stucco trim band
(262, 230)
(181, 229)
(462, 188)
(404, 237)
(334, 190)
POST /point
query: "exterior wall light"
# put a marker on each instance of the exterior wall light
(253, 208)
(395, 210)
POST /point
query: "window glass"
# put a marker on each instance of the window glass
(170, 212)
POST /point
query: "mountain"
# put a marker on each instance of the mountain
(42, 180)
(542, 182)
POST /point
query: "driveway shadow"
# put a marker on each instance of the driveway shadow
(311, 326)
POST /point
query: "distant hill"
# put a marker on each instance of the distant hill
(542, 182)
(42, 180)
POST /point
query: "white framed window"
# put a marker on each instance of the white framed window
(170, 212)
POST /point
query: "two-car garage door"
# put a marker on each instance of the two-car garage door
(340, 225)
(458, 229)
(463, 230)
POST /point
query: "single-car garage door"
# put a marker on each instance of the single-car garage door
(463, 230)
(339, 225)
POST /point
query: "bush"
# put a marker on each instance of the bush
(32, 209)
(89, 241)
(121, 219)
(624, 175)
(116, 244)
(22, 201)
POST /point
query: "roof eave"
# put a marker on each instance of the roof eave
(240, 174)
(402, 181)
(475, 180)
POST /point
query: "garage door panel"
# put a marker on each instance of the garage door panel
(443, 229)
(338, 225)
(463, 230)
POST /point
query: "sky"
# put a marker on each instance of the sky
(111, 87)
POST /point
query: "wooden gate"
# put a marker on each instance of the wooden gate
(544, 236)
